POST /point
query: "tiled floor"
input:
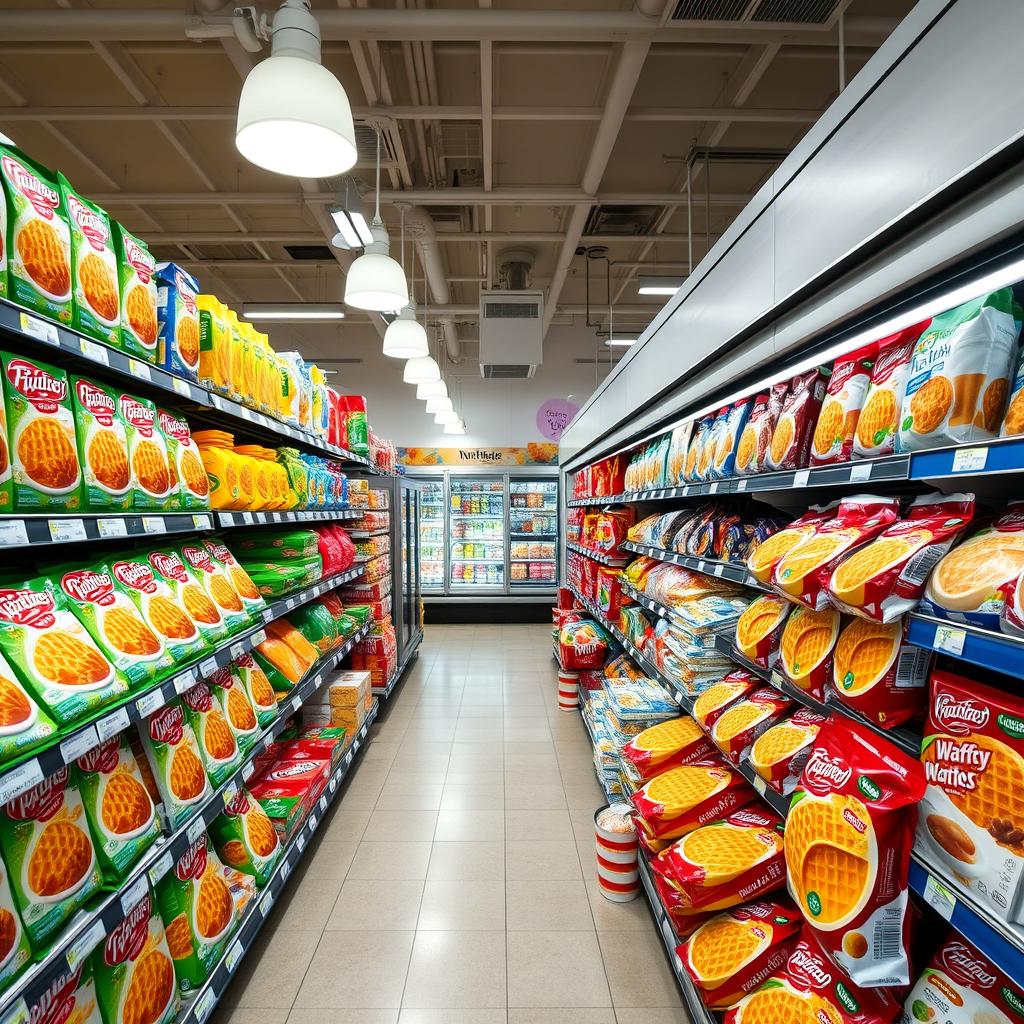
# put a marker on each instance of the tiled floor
(453, 882)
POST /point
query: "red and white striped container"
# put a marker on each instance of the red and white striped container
(568, 691)
(617, 851)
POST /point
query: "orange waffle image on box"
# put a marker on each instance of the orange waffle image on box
(187, 778)
(60, 859)
(783, 1005)
(108, 459)
(806, 648)
(99, 286)
(759, 627)
(188, 340)
(829, 426)
(763, 559)
(194, 474)
(44, 257)
(129, 633)
(126, 805)
(179, 937)
(214, 907)
(778, 755)
(240, 710)
(141, 309)
(64, 659)
(739, 725)
(930, 404)
(243, 584)
(665, 745)
(782, 438)
(716, 698)
(170, 620)
(198, 605)
(260, 831)
(877, 418)
(47, 454)
(218, 741)
(150, 465)
(225, 595)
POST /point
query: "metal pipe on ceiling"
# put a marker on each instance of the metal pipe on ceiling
(420, 226)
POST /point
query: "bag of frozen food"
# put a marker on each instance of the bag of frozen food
(841, 408)
(706, 464)
(679, 443)
(695, 455)
(780, 753)
(752, 449)
(791, 439)
(724, 464)
(759, 629)
(806, 649)
(739, 726)
(766, 556)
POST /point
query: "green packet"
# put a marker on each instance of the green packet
(26, 724)
(347, 625)
(102, 446)
(217, 743)
(257, 686)
(316, 624)
(245, 837)
(289, 544)
(231, 696)
(217, 585)
(189, 595)
(359, 612)
(17, 951)
(175, 761)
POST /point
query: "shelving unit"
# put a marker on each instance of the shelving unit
(735, 572)
(225, 519)
(615, 563)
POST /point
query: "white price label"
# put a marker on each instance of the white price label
(65, 530)
(85, 944)
(719, 569)
(355, 747)
(203, 1005)
(196, 829)
(969, 460)
(323, 804)
(154, 524)
(94, 350)
(334, 783)
(286, 868)
(227, 519)
(207, 667)
(268, 614)
(247, 518)
(185, 681)
(860, 471)
(117, 721)
(296, 703)
(75, 746)
(181, 386)
(201, 522)
(265, 903)
(235, 953)
(13, 533)
(776, 680)
(39, 329)
(713, 489)
(300, 842)
(800, 477)
(741, 484)
(17, 780)
(132, 896)
(161, 867)
(939, 897)
(290, 603)
(219, 403)
(150, 702)
(248, 770)
(112, 527)
(950, 639)
(140, 370)
(313, 822)
(760, 785)
(258, 637)
(236, 651)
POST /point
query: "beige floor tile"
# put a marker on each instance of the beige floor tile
(467, 798)
(524, 796)
(610, 916)
(357, 970)
(457, 970)
(528, 825)
(462, 906)
(238, 1015)
(338, 1015)
(376, 905)
(412, 1015)
(476, 825)
(405, 826)
(270, 975)
(548, 906)
(554, 969)
(494, 777)
(548, 861)
(345, 823)
(410, 797)
(637, 969)
(563, 1015)
(652, 1015)
(305, 903)
(400, 861)
(467, 862)
(328, 858)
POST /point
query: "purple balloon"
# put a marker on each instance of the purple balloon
(554, 416)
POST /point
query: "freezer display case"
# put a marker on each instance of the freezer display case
(533, 532)
(476, 533)
(432, 536)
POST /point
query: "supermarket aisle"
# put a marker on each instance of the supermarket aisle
(454, 882)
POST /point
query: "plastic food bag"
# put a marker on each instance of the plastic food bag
(840, 411)
(791, 438)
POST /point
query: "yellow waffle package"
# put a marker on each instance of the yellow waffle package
(134, 971)
(803, 572)
(970, 583)
(840, 410)
(217, 585)
(120, 812)
(736, 729)
(848, 838)
(759, 629)
(959, 378)
(188, 595)
(876, 672)
(232, 698)
(734, 952)
(175, 761)
(684, 798)
(201, 902)
(160, 608)
(780, 752)
(185, 462)
(53, 654)
(102, 446)
(256, 684)
(217, 742)
(665, 745)
(44, 837)
(763, 559)
(245, 837)
(714, 701)
(971, 822)
(155, 488)
(886, 578)
(45, 471)
(15, 951)
(806, 649)
(137, 277)
(23, 723)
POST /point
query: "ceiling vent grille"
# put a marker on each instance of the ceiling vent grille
(511, 371)
(710, 10)
(511, 311)
(225, 253)
(783, 12)
(309, 253)
(621, 220)
(511, 334)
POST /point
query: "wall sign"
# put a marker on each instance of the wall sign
(541, 454)
(554, 416)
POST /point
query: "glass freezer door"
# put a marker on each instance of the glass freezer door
(476, 516)
(432, 532)
(533, 532)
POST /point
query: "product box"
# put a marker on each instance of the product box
(245, 837)
(137, 278)
(217, 586)
(188, 595)
(232, 698)
(217, 743)
(102, 446)
(178, 321)
(185, 461)
(154, 487)
(15, 951)
(175, 761)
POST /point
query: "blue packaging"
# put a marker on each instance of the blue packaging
(177, 321)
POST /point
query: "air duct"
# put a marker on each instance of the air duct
(420, 226)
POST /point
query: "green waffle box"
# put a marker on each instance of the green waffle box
(118, 806)
(261, 694)
(25, 725)
(231, 696)
(15, 950)
(155, 488)
(102, 446)
(137, 278)
(186, 463)
(216, 585)
(245, 837)
(45, 471)
(189, 594)
(217, 744)
(46, 845)
(240, 580)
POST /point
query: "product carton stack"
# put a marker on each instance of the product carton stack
(342, 703)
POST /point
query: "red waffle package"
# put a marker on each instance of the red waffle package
(780, 752)
(803, 573)
(721, 865)
(740, 725)
(807, 647)
(809, 990)
(666, 745)
(763, 559)
(886, 578)
(582, 645)
(791, 438)
(684, 918)
(612, 526)
(684, 798)
(609, 592)
(844, 398)
(759, 629)
(752, 450)
(848, 837)
(711, 704)
(734, 952)
(876, 672)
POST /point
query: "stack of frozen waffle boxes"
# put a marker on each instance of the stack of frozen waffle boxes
(342, 703)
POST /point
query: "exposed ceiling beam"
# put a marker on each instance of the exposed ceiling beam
(309, 238)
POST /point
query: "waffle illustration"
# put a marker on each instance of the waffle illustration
(150, 465)
(186, 775)
(244, 585)
(259, 830)
(98, 286)
(765, 555)
(784, 1006)
(224, 594)
(214, 907)
(738, 719)
(126, 805)
(48, 455)
(199, 606)
(721, 947)
(776, 744)
(14, 705)
(8, 932)
(666, 738)
(66, 660)
(179, 938)
(108, 459)
(169, 620)
(864, 652)
(715, 697)
(233, 851)
(240, 711)
(217, 737)
(999, 790)
(128, 633)
(188, 340)
(993, 403)
(782, 439)
(1014, 422)
(141, 309)
(877, 418)
(149, 990)
(808, 556)
(827, 858)
(682, 788)
(863, 565)
(761, 617)
(704, 462)
(724, 851)
(691, 461)
(830, 426)
(194, 474)
(929, 406)
(60, 859)
(966, 574)
(262, 691)
(807, 640)
(746, 448)
(44, 257)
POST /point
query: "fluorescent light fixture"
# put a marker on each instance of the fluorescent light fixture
(350, 220)
(294, 117)
(293, 311)
(621, 342)
(421, 370)
(406, 337)
(446, 416)
(659, 285)
(439, 404)
(347, 233)
(431, 389)
(458, 427)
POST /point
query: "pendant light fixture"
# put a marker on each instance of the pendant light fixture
(375, 281)
(293, 115)
(445, 416)
(455, 427)
(436, 405)
(421, 370)
(431, 389)
(405, 338)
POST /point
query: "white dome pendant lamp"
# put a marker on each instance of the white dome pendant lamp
(375, 281)
(436, 405)
(293, 115)
(405, 337)
(423, 369)
(431, 389)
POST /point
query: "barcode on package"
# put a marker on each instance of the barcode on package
(887, 937)
(912, 667)
(917, 570)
